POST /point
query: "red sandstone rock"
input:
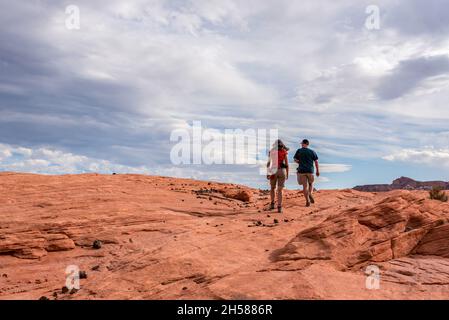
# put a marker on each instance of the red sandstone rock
(180, 239)
(237, 194)
(391, 228)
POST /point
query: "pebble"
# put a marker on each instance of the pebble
(97, 244)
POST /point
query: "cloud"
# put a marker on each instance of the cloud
(321, 179)
(4, 153)
(51, 161)
(419, 18)
(331, 168)
(409, 74)
(428, 156)
(136, 71)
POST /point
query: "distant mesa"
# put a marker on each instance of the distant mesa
(403, 183)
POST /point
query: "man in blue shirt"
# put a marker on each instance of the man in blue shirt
(305, 158)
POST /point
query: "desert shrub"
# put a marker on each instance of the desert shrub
(437, 193)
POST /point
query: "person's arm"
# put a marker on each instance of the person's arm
(317, 168)
(296, 157)
(268, 165)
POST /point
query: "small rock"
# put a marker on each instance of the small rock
(55, 295)
(44, 298)
(236, 194)
(95, 268)
(130, 240)
(65, 289)
(268, 216)
(83, 275)
(184, 288)
(276, 221)
(285, 220)
(4, 275)
(97, 244)
(73, 291)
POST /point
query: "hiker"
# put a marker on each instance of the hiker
(305, 158)
(277, 171)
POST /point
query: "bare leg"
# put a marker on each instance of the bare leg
(272, 194)
(311, 192)
(279, 196)
(306, 193)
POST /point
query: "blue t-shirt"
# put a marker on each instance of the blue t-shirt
(306, 157)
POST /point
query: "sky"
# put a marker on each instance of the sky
(107, 96)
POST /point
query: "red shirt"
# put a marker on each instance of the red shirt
(279, 156)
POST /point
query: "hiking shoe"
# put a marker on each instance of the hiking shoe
(308, 204)
(272, 206)
(279, 209)
(312, 200)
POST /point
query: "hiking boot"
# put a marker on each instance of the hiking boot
(279, 209)
(312, 200)
(307, 204)
(272, 206)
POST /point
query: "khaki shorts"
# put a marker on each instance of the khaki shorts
(305, 178)
(278, 179)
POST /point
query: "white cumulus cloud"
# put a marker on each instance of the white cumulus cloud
(430, 156)
(51, 161)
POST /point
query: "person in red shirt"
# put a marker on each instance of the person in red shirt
(277, 171)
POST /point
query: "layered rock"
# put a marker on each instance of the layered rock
(167, 238)
(403, 183)
(397, 226)
(34, 244)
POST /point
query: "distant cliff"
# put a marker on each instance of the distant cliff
(403, 183)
